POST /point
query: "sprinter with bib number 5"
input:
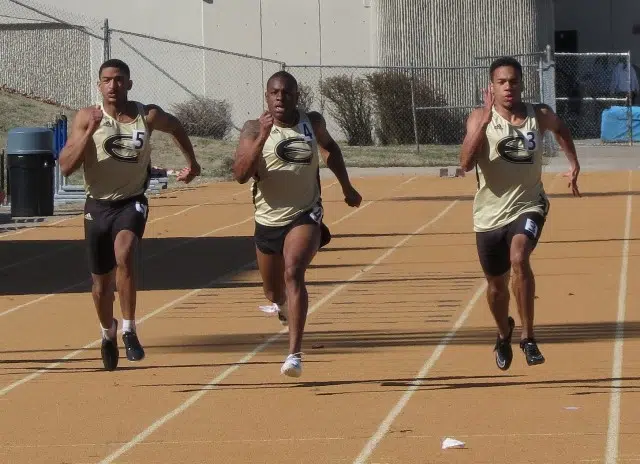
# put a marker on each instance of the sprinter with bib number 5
(504, 144)
(111, 141)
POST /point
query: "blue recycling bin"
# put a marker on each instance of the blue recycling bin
(30, 163)
(614, 124)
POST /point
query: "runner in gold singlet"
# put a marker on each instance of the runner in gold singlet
(279, 152)
(111, 141)
(504, 144)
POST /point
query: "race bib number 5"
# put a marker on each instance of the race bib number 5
(138, 139)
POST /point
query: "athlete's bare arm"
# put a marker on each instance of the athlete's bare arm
(253, 136)
(475, 138)
(158, 119)
(550, 121)
(332, 156)
(84, 125)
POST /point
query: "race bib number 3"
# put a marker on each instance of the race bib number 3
(532, 228)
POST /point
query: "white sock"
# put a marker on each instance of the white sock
(128, 326)
(109, 333)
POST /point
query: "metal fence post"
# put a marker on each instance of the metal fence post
(629, 99)
(413, 109)
(541, 78)
(107, 40)
(2, 178)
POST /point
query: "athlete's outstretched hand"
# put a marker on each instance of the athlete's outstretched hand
(572, 175)
(95, 117)
(187, 174)
(351, 196)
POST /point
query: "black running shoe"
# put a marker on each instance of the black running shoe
(504, 353)
(109, 352)
(531, 351)
(134, 350)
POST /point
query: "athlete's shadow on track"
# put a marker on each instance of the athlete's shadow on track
(70, 366)
(40, 267)
(586, 386)
(580, 386)
(328, 343)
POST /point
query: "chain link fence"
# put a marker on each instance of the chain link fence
(212, 91)
(595, 95)
(53, 56)
(402, 108)
(49, 54)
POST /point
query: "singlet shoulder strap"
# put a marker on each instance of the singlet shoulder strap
(140, 108)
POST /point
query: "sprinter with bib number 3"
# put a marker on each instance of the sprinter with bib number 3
(504, 144)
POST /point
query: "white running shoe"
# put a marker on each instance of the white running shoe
(281, 311)
(292, 366)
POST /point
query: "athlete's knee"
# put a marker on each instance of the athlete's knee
(497, 287)
(102, 287)
(124, 260)
(124, 248)
(294, 274)
(519, 258)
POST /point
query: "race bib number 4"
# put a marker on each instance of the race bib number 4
(316, 214)
(142, 208)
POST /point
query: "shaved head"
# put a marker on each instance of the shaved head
(285, 77)
(282, 97)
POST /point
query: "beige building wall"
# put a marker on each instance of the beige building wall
(301, 32)
(290, 28)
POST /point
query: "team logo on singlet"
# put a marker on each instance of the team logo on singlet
(517, 148)
(295, 150)
(124, 147)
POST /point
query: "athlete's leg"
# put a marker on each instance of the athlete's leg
(523, 283)
(125, 246)
(498, 298)
(300, 246)
(102, 291)
(269, 245)
(128, 230)
(493, 252)
(97, 223)
(526, 232)
(271, 267)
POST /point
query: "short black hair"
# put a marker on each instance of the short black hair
(506, 61)
(283, 75)
(115, 63)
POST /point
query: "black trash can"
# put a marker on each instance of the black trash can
(30, 163)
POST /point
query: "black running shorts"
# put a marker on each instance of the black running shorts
(494, 246)
(270, 240)
(102, 222)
